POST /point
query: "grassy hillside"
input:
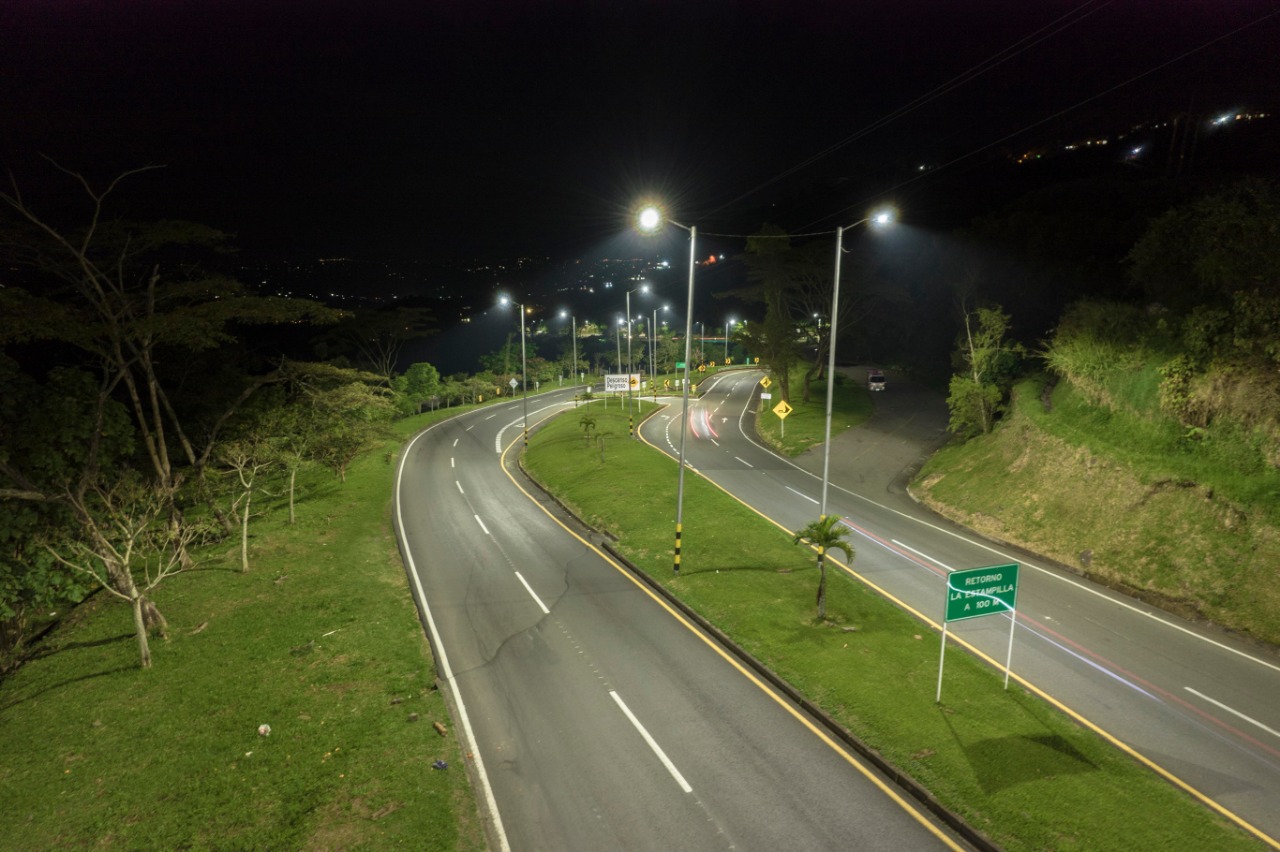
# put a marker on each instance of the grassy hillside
(320, 640)
(1091, 474)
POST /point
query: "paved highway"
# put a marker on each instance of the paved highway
(595, 716)
(1200, 706)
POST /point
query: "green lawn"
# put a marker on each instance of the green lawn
(320, 640)
(1018, 770)
(805, 427)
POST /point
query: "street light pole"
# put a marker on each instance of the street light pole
(573, 330)
(653, 354)
(727, 325)
(629, 365)
(650, 220)
(524, 371)
(882, 218)
(644, 288)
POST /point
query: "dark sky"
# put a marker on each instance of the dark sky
(465, 127)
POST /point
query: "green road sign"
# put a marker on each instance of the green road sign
(975, 592)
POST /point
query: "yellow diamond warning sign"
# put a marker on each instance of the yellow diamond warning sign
(782, 409)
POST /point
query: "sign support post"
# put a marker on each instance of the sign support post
(976, 592)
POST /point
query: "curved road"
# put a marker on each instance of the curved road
(596, 716)
(1198, 705)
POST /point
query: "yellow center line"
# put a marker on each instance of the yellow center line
(822, 735)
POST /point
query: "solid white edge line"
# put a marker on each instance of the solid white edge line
(482, 526)
(922, 555)
(1233, 711)
(800, 494)
(533, 594)
(445, 669)
(657, 749)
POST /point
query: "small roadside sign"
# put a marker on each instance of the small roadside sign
(975, 592)
(765, 382)
(782, 409)
(982, 591)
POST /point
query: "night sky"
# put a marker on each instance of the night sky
(403, 129)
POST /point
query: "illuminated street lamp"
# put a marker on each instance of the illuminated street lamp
(728, 326)
(878, 219)
(650, 220)
(524, 370)
(574, 331)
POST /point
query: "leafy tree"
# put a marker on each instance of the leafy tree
(794, 284)
(32, 583)
(377, 337)
(129, 297)
(1205, 251)
(346, 410)
(505, 363)
(826, 533)
(989, 364)
(417, 385)
(670, 352)
(772, 282)
(55, 438)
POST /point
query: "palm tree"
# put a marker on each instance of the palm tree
(588, 423)
(825, 534)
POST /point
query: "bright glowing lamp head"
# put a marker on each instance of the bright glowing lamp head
(650, 219)
(883, 217)
(504, 300)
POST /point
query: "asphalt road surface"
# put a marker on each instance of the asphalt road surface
(1200, 706)
(595, 716)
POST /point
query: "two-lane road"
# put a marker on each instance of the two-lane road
(597, 717)
(1199, 705)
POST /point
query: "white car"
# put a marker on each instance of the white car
(875, 380)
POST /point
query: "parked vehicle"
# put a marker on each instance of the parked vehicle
(876, 380)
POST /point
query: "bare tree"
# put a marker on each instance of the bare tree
(245, 461)
(130, 550)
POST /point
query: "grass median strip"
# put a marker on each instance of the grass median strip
(1013, 767)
